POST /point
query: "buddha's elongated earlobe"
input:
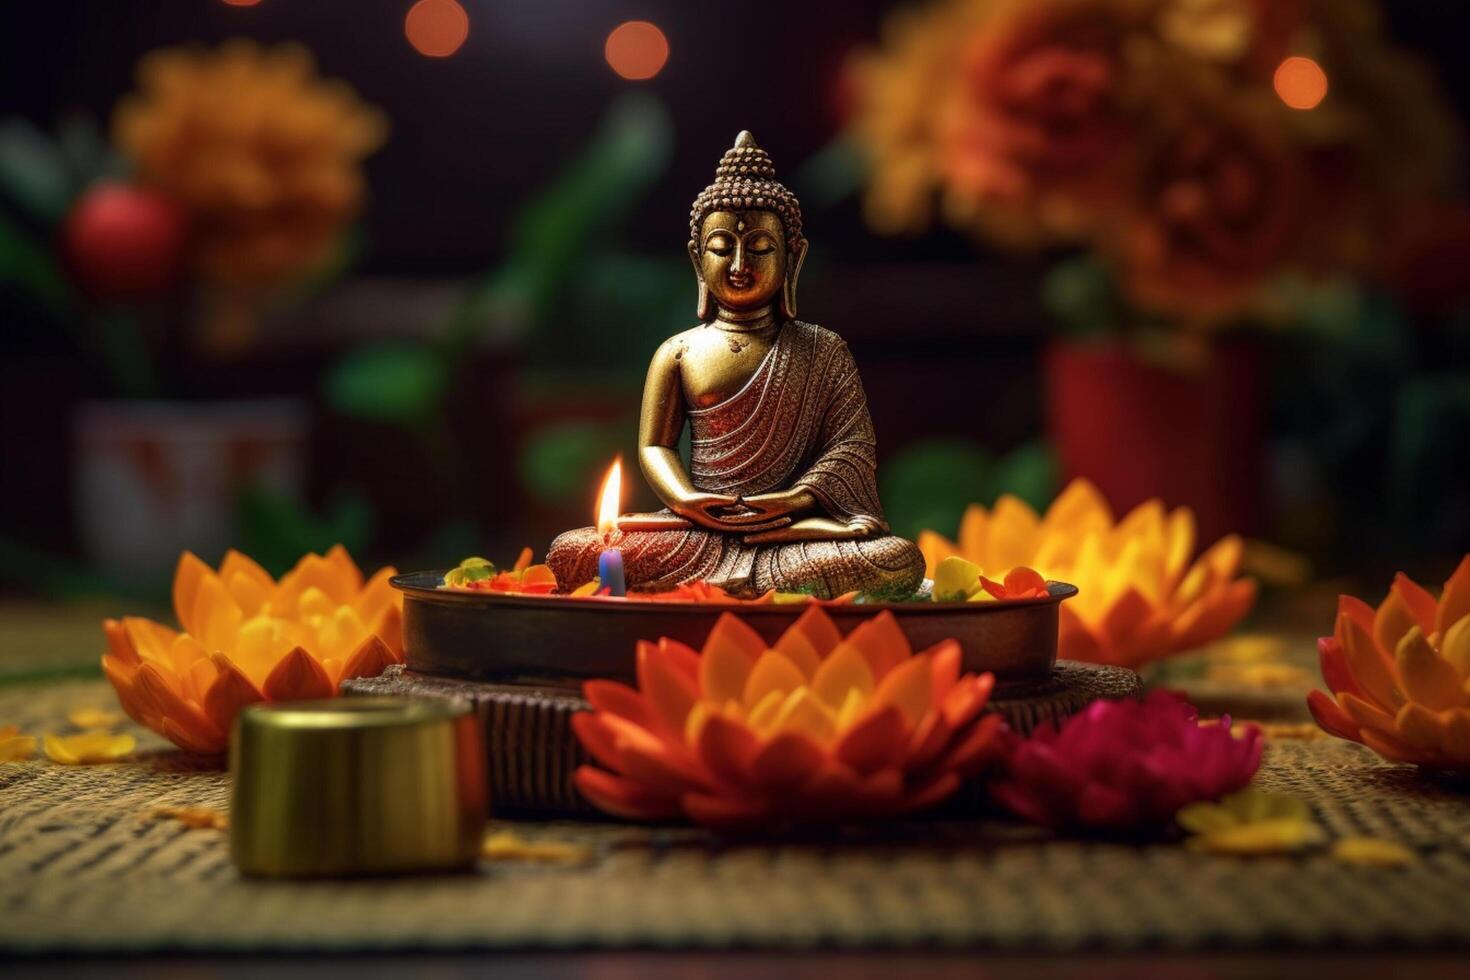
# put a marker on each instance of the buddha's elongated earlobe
(703, 306)
(794, 260)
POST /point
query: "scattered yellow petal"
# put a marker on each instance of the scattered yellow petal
(88, 748)
(15, 747)
(94, 718)
(1372, 852)
(1260, 677)
(589, 587)
(505, 845)
(1250, 822)
(1305, 730)
(195, 817)
(1263, 837)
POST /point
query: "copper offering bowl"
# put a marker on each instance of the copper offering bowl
(560, 641)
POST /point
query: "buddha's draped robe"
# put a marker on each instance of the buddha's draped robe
(801, 420)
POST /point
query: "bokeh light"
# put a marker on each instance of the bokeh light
(636, 50)
(1301, 82)
(436, 28)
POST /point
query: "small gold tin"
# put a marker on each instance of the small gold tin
(357, 786)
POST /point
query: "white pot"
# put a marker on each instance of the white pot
(155, 478)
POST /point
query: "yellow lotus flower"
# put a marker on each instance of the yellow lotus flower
(88, 748)
(249, 638)
(1139, 597)
(15, 747)
(1250, 822)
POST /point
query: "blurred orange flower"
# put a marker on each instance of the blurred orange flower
(814, 729)
(249, 638)
(1398, 674)
(1151, 132)
(1217, 206)
(1036, 108)
(262, 154)
(1139, 597)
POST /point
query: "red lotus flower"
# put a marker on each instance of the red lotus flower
(1125, 765)
(816, 729)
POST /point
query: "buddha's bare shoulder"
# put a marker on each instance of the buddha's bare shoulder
(670, 351)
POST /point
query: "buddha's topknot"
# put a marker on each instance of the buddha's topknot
(746, 180)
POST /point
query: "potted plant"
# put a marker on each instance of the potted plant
(230, 184)
(1204, 171)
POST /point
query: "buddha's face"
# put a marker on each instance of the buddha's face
(742, 257)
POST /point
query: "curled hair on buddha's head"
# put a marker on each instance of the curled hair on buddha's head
(746, 180)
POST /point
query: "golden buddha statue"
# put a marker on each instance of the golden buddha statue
(781, 488)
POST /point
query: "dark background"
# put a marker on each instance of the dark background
(942, 327)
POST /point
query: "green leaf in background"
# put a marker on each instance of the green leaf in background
(928, 484)
(561, 460)
(34, 172)
(1030, 472)
(276, 530)
(398, 383)
(629, 152)
(28, 264)
(1082, 297)
(88, 155)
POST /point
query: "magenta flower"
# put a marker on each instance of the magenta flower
(1125, 765)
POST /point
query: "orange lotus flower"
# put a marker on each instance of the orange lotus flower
(1139, 597)
(249, 638)
(814, 729)
(1398, 674)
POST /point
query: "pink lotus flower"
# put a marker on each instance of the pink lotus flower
(1125, 765)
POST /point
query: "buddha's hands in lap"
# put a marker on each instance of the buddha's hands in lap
(787, 504)
(718, 512)
(814, 529)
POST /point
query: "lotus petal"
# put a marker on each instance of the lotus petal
(909, 687)
(230, 692)
(298, 677)
(618, 699)
(668, 689)
(882, 642)
(844, 670)
(623, 797)
(772, 672)
(731, 634)
(818, 627)
(1454, 603)
(1427, 678)
(786, 761)
(878, 741)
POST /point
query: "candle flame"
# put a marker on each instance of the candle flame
(609, 501)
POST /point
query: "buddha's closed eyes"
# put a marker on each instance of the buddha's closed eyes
(781, 486)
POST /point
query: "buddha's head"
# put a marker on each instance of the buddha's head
(745, 236)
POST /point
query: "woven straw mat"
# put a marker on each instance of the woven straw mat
(82, 867)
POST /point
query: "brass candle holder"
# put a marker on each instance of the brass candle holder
(357, 786)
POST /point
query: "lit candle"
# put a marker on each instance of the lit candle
(610, 562)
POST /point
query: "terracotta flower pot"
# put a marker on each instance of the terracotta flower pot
(1192, 435)
(152, 479)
